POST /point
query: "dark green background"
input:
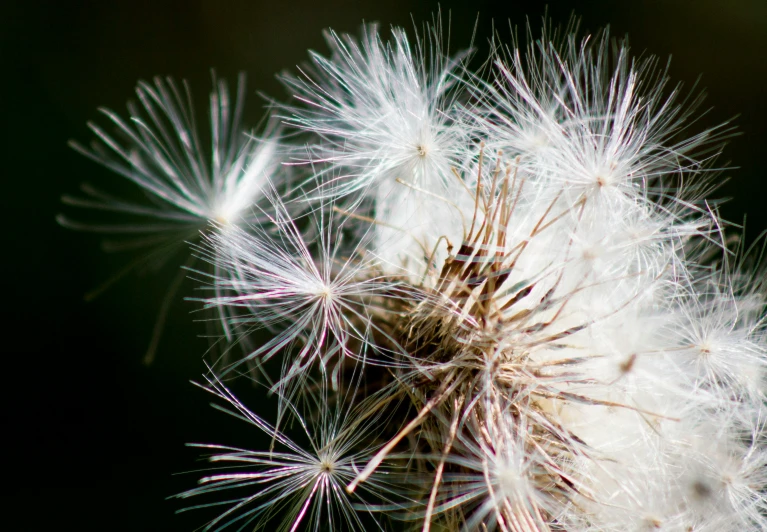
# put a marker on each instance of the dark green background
(92, 436)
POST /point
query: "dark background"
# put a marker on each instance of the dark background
(93, 438)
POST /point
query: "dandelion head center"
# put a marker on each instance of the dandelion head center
(226, 211)
(326, 467)
(324, 292)
(706, 348)
(222, 219)
(603, 180)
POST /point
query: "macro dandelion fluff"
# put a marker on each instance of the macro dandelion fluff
(492, 301)
(314, 304)
(385, 114)
(298, 486)
(182, 184)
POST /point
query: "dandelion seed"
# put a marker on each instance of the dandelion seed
(183, 184)
(600, 125)
(384, 112)
(295, 486)
(315, 298)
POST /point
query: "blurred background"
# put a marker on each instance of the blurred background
(95, 439)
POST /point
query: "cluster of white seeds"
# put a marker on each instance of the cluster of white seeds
(491, 300)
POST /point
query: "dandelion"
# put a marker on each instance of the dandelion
(720, 339)
(385, 114)
(541, 374)
(493, 301)
(182, 184)
(314, 295)
(299, 486)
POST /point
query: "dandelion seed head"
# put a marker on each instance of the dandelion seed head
(490, 301)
